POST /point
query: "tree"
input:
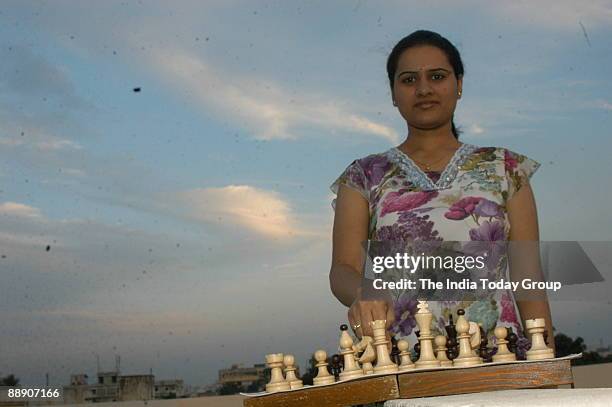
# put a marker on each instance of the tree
(9, 380)
(566, 346)
(230, 388)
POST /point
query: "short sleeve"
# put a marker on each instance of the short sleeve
(352, 177)
(519, 169)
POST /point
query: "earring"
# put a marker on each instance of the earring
(459, 93)
(394, 103)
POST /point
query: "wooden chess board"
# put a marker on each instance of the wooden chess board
(425, 383)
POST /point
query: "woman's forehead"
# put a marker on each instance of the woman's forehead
(423, 58)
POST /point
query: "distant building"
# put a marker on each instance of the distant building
(603, 351)
(166, 389)
(244, 376)
(109, 387)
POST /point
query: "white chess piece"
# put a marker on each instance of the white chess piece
(384, 364)
(351, 367)
(290, 377)
(440, 342)
(423, 319)
(277, 381)
(405, 361)
(368, 356)
(466, 357)
(323, 376)
(538, 350)
(503, 353)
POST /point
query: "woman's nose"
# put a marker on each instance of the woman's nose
(423, 89)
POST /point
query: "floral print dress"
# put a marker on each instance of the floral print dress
(465, 202)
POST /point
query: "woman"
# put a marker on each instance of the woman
(433, 187)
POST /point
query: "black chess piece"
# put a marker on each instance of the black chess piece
(394, 351)
(336, 366)
(483, 350)
(512, 339)
(417, 345)
(452, 346)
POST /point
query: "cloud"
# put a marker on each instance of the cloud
(567, 14)
(263, 212)
(58, 144)
(26, 75)
(602, 104)
(19, 210)
(18, 130)
(262, 106)
(475, 129)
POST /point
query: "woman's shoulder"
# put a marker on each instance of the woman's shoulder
(499, 153)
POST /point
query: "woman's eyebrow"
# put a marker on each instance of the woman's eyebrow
(429, 70)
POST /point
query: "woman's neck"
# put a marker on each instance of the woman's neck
(428, 141)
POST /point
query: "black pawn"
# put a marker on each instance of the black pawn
(336, 366)
(483, 350)
(512, 341)
(394, 351)
(417, 345)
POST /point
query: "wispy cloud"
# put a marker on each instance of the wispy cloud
(564, 14)
(30, 135)
(264, 107)
(602, 104)
(264, 212)
(19, 210)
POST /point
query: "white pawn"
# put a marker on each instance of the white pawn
(538, 349)
(277, 381)
(351, 367)
(466, 354)
(503, 353)
(423, 319)
(384, 364)
(294, 382)
(323, 376)
(440, 342)
(405, 361)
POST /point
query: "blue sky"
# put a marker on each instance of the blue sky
(190, 222)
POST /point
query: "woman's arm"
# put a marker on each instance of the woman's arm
(524, 257)
(350, 230)
(351, 222)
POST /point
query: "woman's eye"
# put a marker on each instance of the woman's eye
(409, 79)
(437, 76)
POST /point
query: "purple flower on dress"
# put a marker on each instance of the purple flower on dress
(488, 240)
(405, 309)
(462, 208)
(522, 346)
(375, 167)
(355, 176)
(508, 313)
(488, 232)
(510, 161)
(405, 201)
(486, 208)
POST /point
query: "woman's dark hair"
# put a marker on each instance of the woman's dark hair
(424, 37)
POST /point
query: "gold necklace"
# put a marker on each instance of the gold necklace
(428, 166)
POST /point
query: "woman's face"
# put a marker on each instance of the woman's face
(425, 88)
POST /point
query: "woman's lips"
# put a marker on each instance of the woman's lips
(426, 105)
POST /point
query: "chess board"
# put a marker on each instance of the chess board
(425, 382)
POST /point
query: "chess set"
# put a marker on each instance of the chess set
(373, 370)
